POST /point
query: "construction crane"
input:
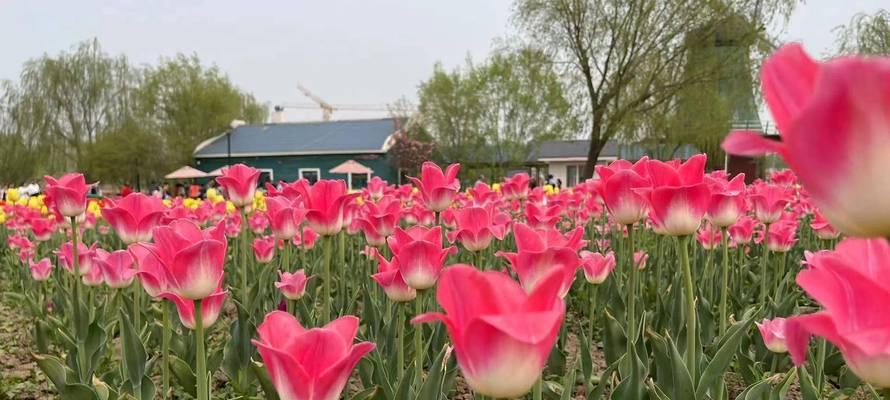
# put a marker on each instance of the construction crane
(326, 108)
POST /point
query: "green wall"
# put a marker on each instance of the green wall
(286, 167)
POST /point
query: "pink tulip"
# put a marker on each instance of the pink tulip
(383, 216)
(68, 194)
(743, 230)
(420, 255)
(191, 260)
(619, 191)
(783, 177)
(309, 364)
(782, 236)
(516, 186)
(116, 267)
(709, 237)
(478, 226)
(822, 228)
(240, 182)
(852, 284)
(211, 306)
(258, 222)
(149, 270)
(773, 333)
(487, 316)
(264, 249)
(437, 188)
(285, 217)
(640, 259)
(481, 194)
(769, 202)
(307, 239)
(325, 202)
(133, 217)
(679, 197)
(833, 113)
(41, 270)
(542, 217)
(376, 188)
(539, 253)
(727, 200)
(84, 257)
(93, 277)
(390, 278)
(42, 228)
(596, 266)
(292, 285)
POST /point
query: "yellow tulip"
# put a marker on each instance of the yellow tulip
(230, 207)
(496, 187)
(12, 195)
(211, 192)
(2, 217)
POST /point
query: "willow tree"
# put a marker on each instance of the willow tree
(490, 113)
(866, 34)
(626, 59)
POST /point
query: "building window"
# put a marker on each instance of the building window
(310, 174)
(358, 181)
(571, 175)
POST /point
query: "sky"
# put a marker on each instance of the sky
(344, 51)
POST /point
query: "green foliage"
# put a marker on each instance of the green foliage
(490, 113)
(865, 34)
(628, 62)
(90, 111)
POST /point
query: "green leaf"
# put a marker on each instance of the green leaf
(183, 374)
(53, 368)
(568, 385)
(403, 390)
(432, 386)
(756, 391)
(366, 394)
(586, 360)
(133, 351)
(265, 382)
(713, 373)
(807, 387)
(78, 391)
(682, 379)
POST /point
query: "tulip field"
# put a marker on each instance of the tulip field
(653, 280)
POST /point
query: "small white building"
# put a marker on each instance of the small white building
(564, 159)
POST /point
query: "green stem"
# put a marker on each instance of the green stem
(819, 368)
(326, 281)
(245, 296)
(538, 391)
(79, 336)
(765, 265)
(400, 342)
(200, 355)
(165, 348)
(418, 342)
(724, 287)
(631, 290)
(341, 268)
(690, 305)
(592, 313)
(137, 307)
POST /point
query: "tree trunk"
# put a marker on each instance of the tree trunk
(596, 146)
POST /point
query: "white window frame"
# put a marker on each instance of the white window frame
(301, 170)
(271, 173)
(349, 178)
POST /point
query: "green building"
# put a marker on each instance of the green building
(352, 150)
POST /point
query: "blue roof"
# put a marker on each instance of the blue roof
(301, 138)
